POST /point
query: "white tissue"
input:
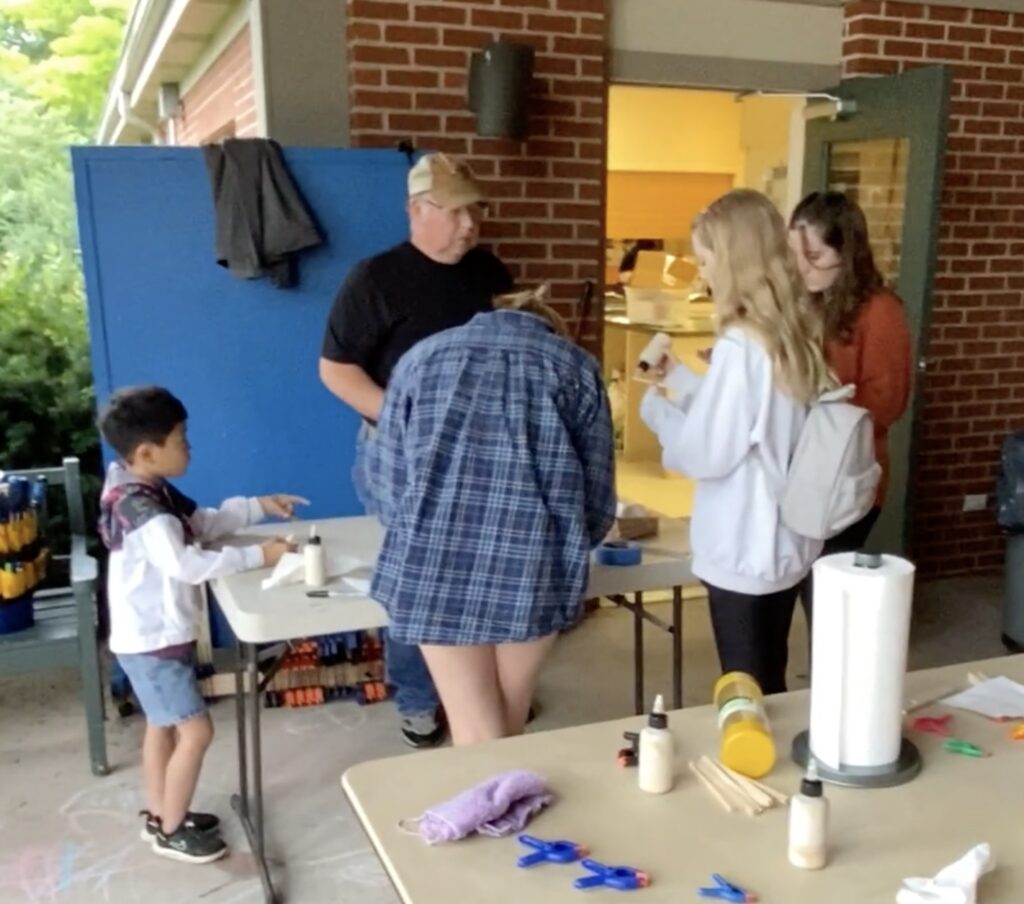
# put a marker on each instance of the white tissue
(954, 884)
(292, 567)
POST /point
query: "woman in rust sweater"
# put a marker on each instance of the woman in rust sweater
(866, 334)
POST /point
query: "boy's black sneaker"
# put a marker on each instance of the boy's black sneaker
(190, 845)
(201, 822)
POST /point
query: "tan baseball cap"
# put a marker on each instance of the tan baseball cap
(449, 181)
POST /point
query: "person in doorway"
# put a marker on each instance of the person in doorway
(734, 431)
(867, 340)
(493, 473)
(436, 280)
(153, 579)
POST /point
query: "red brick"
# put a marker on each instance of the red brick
(986, 54)
(947, 13)
(595, 27)
(523, 250)
(463, 37)
(579, 46)
(591, 110)
(987, 90)
(553, 231)
(1006, 37)
(550, 190)
(875, 27)
(576, 129)
(590, 88)
(450, 15)
(549, 65)
(375, 9)
(902, 48)
(995, 180)
(432, 100)
(967, 72)
(997, 146)
(526, 167)
(574, 170)
(426, 56)
(362, 121)
(967, 34)
(539, 42)
(931, 31)
(495, 146)
(595, 68)
(414, 122)
(565, 211)
(946, 51)
(866, 66)
(455, 80)
(856, 46)
(1003, 74)
(990, 17)
(905, 10)
(392, 100)
(862, 8)
(460, 123)
(412, 78)
(523, 210)
(411, 34)
(580, 6)
(496, 18)
(361, 53)
(363, 31)
(550, 148)
(1007, 110)
(362, 76)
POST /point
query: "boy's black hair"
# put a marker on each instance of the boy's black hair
(140, 414)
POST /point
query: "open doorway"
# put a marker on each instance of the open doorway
(671, 151)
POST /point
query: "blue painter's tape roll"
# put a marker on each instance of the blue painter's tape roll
(619, 552)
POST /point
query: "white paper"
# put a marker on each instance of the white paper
(291, 568)
(861, 631)
(997, 698)
(954, 884)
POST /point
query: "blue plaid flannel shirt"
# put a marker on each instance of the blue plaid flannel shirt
(492, 470)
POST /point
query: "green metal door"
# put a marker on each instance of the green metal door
(886, 152)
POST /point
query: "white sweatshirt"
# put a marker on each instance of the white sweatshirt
(734, 433)
(155, 570)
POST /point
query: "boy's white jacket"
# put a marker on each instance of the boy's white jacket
(154, 572)
(734, 433)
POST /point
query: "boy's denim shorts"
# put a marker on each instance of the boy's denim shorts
(166, 689)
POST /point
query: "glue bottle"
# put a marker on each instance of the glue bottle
(654, 352)
(808, 823)
(657, 752)
(313, 556)
(745, 738)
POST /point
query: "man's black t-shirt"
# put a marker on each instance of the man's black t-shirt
(391, 301)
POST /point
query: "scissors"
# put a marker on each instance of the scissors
(550, 851)
(621, 878)
(934, 725)
(726, 891)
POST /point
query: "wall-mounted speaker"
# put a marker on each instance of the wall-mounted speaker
(500, 77)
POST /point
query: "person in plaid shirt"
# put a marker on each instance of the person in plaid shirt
(493, 473)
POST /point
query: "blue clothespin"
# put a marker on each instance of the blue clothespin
(726, 891)
(550, 851)
(621, 878)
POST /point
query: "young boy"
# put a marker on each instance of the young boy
(156, 567)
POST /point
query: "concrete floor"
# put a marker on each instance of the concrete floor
(68, 837)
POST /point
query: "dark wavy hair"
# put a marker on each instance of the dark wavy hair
(842, 226)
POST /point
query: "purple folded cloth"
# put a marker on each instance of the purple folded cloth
(499, 806)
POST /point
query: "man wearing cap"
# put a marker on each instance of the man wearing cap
(436, 280)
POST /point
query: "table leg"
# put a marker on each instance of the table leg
(677, 647)
(250, 812)
(638, 653)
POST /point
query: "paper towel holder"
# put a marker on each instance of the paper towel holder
(906, 767)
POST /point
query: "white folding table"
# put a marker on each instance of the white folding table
(261, 617)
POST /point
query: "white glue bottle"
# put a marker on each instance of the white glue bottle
(657, 752)
(808, 823)
(313, 557)
(654, 352)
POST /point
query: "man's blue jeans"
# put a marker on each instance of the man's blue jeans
(408, 675)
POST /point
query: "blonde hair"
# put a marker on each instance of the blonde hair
(756, 287)
(534, 301)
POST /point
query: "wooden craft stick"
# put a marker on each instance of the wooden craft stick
(921, 702)
(778, 796)
(728, 786)
(761, 797)
(715, 793)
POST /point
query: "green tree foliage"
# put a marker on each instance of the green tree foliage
(56, 60)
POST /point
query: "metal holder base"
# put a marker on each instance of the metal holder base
(906, 767)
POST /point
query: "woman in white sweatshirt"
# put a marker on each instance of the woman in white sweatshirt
(734, 430)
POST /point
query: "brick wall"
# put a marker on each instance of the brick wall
(408, 64)
(221, 104)
(974, 393)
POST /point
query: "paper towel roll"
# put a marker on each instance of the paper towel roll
(859, 652)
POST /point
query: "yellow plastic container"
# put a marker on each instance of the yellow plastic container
(746, 744)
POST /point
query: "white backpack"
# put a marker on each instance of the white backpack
(833, 475)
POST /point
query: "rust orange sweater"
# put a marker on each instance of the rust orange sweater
(877, 361)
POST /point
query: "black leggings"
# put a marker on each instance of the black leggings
(752, 633)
